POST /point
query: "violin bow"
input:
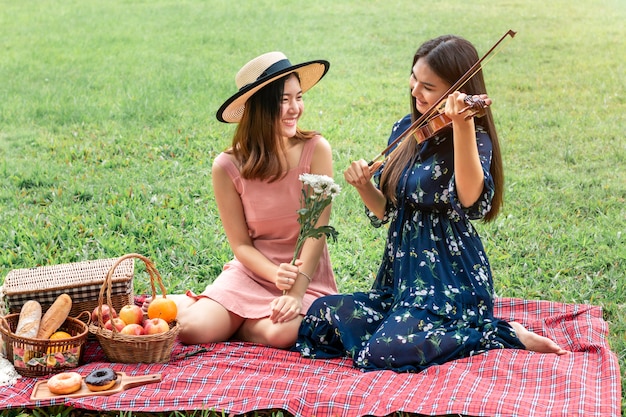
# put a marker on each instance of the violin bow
(460, 82)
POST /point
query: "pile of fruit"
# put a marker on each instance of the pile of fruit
(132, 321)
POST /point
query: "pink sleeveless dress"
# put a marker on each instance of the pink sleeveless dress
(270, 211)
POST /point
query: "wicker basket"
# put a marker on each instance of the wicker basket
(80, 280)
(122, 348)
(39, 357)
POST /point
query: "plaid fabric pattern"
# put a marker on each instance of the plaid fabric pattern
(240, 378)
(78, 294)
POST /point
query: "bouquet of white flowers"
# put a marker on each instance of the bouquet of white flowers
(318, 192)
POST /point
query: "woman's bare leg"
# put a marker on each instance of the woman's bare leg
(193, 317)
(265, 332)
(535, 342)
(204, 320)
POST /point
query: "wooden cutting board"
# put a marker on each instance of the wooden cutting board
(123, 382)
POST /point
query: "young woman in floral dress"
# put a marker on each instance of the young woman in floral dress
(432, 300)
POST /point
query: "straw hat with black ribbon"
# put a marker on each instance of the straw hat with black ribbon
(261, 71)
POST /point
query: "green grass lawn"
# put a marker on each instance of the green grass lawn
(108, 130)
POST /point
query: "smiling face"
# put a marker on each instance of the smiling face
(291, 106)
(427, 87)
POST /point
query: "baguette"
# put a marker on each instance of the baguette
(30, 320)
(55, 316)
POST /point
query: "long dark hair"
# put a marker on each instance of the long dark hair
(257, 143)
(449, 57)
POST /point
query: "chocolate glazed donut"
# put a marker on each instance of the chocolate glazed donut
(101, 379)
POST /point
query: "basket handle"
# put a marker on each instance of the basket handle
(4, 325)
(107, 285)
(88, 318)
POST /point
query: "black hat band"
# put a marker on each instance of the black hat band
(275, 67)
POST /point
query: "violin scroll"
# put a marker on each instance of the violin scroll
(475, 106)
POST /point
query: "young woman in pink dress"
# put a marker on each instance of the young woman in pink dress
(260, 296)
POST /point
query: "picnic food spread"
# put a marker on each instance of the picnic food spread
(46, 331)
(40, 339)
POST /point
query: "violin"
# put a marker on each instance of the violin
(474, 107)
(433, 126)
(441, 120)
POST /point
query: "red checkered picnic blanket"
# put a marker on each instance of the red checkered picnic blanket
(239, 377)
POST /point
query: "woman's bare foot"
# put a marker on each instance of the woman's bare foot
(536, 343)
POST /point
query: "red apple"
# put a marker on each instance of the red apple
(131, 314)
(132, 329)
(107, 313)
(155, 326)
(115, 321)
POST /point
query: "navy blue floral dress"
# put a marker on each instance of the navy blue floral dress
(432, 300)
